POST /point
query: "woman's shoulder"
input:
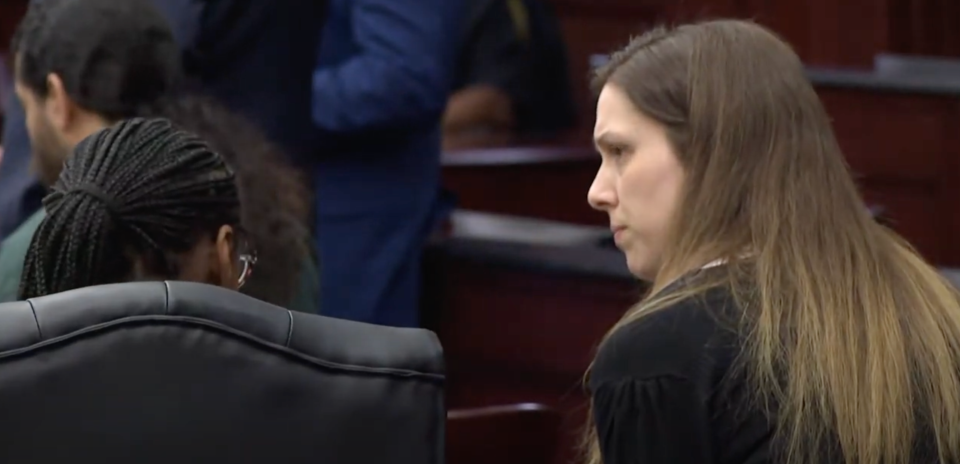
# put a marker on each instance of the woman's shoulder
(686, 340)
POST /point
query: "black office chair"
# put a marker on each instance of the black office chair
(176, 372)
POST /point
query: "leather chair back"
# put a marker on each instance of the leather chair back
(176, 372)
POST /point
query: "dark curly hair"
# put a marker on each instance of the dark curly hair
(276, 201)
(129, 199)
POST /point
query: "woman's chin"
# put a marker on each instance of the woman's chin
(641, 269)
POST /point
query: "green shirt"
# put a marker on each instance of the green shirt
(13, 253)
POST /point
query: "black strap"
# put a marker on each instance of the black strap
(93, 191)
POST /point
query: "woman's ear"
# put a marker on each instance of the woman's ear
(226, 258)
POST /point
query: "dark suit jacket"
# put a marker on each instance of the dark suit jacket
(257, 57)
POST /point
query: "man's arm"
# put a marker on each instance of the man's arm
(479, 106)
(401, 74)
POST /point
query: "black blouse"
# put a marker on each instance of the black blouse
(664, 391)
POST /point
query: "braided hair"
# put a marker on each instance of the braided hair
(129, 199)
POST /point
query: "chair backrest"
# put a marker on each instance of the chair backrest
(164, 372)
(512, 434)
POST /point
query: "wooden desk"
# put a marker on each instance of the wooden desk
(519, 306)
(542, 182)
(508, 434)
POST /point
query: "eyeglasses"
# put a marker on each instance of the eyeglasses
(248, 261)
(247, 257)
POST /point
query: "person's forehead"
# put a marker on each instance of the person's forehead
(616, 114)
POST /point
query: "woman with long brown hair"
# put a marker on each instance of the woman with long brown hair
(783, 323)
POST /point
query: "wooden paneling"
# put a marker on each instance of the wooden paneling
(535, 182)
(606, 34)
(892, 136)
(823, 32)
(521, 335)
(556, 331)
(904, 151)
(10, 13)
(826, 32)
(924, 27)
(915, 212)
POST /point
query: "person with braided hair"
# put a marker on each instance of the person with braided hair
(141, 200)
(79, 66)
(276, 205)
(76, 63)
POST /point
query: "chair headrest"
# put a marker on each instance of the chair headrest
(339, 342)
(154, 371)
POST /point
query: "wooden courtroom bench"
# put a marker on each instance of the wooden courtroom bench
(548, 182)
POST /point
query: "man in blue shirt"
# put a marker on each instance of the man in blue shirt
(383, 76)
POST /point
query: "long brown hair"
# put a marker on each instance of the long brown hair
(847, 332)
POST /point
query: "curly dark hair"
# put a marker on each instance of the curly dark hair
(277, 204)
(140, 191)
